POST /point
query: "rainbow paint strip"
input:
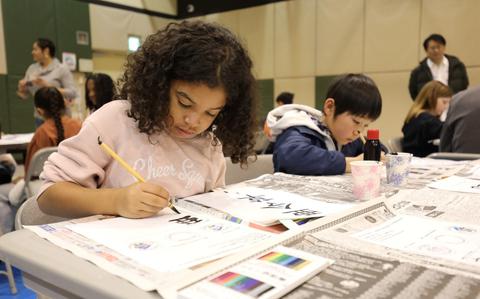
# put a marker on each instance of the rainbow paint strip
(242, 284)
(285, 260)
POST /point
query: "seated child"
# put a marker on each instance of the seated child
(99, 90)
(422, 124)
(313, 142)
(182, 93)
(57, 126)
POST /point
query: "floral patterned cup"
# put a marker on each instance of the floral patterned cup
(398, 165)
(366, 179)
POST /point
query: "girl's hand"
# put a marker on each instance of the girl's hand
(141, 200)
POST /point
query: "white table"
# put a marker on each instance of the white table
(15, 141)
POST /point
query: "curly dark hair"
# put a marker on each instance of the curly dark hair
(196, 52)
(104, 90)
(52, 102)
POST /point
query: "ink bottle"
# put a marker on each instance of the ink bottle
(372, 148)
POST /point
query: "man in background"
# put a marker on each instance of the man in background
(460, 130)
(438, 66)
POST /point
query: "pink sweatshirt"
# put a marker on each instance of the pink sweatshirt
(183, 167)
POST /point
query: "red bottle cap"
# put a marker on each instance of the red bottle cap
(373, 134)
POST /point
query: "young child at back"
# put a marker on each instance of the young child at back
(422, 124)
(99, 90)
(313, 142)
(183, 91)
(57, 126)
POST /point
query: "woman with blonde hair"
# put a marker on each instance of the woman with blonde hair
(422, 124)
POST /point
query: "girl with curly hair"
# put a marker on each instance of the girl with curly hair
(186, 92)
(99, 90)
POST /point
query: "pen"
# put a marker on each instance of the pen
(128, 168)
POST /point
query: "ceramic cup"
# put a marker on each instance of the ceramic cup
(366, 179)
(398, 165)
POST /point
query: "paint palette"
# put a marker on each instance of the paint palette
(269, 275)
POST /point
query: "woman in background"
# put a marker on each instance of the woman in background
(99, 90)
(422, 124)
(47, 71)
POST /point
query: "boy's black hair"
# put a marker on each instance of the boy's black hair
(194, 52)
(356, 94)
(104, 90)
(45, 43)
(285, 97)
(435, 37)
(52, 102)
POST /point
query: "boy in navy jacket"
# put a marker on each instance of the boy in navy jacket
(313, 142)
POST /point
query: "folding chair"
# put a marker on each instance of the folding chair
(32, 183)
(29, 213)
(9, 273)
(454, 156)
(395, 144)
(236, 174)
(261, 143)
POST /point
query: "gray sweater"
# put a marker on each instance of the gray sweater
(460, 131)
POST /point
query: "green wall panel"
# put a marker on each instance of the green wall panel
(72, 16)
(321, 87)
(23, 22)
(4, 119)
(20, 111)
(265, 97)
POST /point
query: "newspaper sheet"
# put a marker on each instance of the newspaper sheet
(458, 184)
(358, 274)
(423, 171)
(334, 189)
(407, 202)
(439, 204)
(430, 237)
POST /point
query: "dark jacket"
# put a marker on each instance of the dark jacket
(300, 150)
(419, 133)
(421, 75)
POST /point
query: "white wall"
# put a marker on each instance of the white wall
(110, 27)
(294, 41)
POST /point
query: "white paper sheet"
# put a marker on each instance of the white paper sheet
(266, 207)
(458, 184)
(429, 237)
(171, 242)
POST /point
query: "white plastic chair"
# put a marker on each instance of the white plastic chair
(454, 156)
(32, 183)
(29, 213)
(236, 174)
(261, 142)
